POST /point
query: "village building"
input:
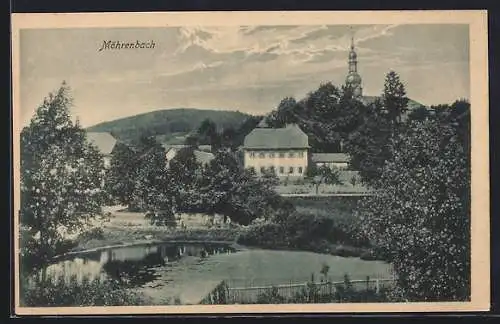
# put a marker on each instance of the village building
(105, 143)
(202, 153)
(339, 161)
(283, 151)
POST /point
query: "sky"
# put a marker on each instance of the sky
(245, 68)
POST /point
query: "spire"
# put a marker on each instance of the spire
(353, 79)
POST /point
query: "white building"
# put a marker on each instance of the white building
(332, 160)
(280, 150)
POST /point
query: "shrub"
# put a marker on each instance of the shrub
(46, 292)
(94, 233)
(271, 297)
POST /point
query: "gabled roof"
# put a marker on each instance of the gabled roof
(168, 147)
(276, 138)
(412, 104)
(329, 157)
(104, 142)
(203, 157)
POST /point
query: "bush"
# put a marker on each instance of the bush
(95, 233)
(45, 293)
(347, 251)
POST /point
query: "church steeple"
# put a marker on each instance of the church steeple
(353, 79)
(353, 58)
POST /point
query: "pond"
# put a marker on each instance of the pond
(134, 266)
(188, 272)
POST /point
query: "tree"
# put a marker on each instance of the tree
(121, 176)
(369, 146)
(420, 113)
(394, 98)
(61, 177)
(185, 171)
(152, 191)
(227, 189)
(420, 217)
(323, 174)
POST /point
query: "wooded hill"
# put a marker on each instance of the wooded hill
(168, 124)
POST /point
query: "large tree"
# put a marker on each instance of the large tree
(185, 171)
(394, 98)
(227, 189)
(151, 180)
(420, 216)
(61, 177)
(122, 174)
(369, 145)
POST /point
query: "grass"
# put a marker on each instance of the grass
(305, 187)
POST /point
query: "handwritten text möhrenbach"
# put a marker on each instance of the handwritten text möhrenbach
(114, 45)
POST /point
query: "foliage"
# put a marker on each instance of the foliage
(327, 115)
(227, 189)
(370, 145)
(231, 136)
(61, 177)
(319, 226)
(326, 292)
(394, 98)
(323, 174)
(184, 171)
(421, 216)
(218, 296)
(47, 293)
(122, 174)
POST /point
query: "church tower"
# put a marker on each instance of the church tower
(353, 79)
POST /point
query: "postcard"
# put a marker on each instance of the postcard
(250, 162)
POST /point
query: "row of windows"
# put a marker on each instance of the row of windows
(272, 155)
(282, 170)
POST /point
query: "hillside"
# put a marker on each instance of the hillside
(168, 124)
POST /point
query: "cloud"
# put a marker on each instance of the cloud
(251, 67)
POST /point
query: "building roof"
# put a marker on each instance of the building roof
(329, 157)
(104, 142)
(288, 137)
(168, 147)
(412, 104)
(203, 157)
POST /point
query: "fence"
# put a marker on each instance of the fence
(248, 295)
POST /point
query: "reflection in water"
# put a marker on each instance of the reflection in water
(133, 266)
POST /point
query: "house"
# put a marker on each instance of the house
(283, 151)
(105, 143)
(201, 156)
(331, 160)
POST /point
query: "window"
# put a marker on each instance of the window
(282, 170)
(271, 155)
(262, 170)
(290, 170)
(252, 154)
(291, 154)
(282, 155)
(271, 168)
(301, 154)
(262, 155)
(300, 170)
